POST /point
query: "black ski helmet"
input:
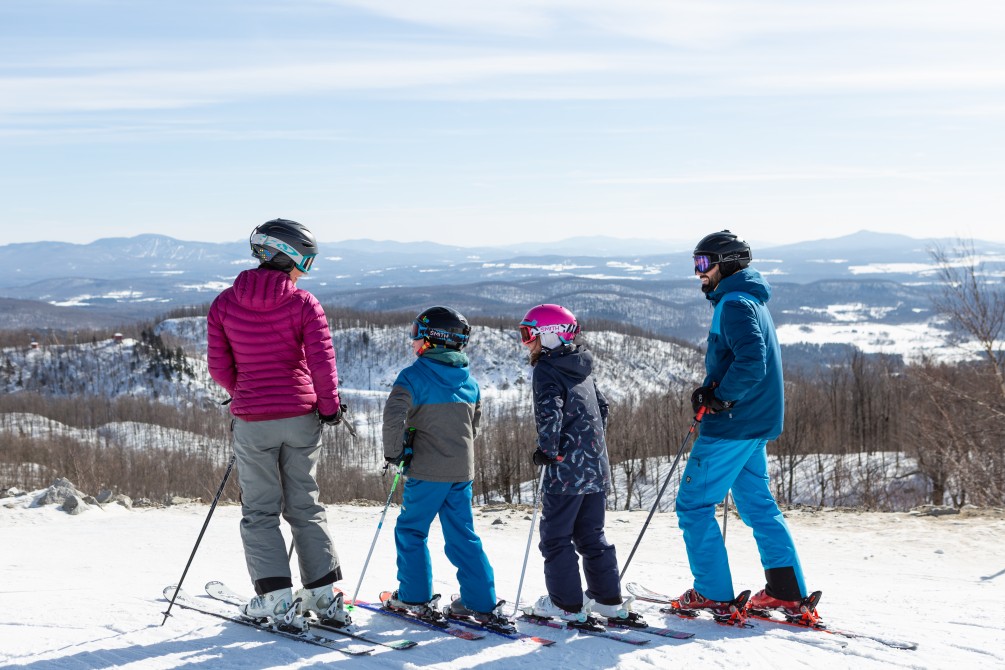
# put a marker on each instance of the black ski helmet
(440, 325)
(283, 245)
(731, 252)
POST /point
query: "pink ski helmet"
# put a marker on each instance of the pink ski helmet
(549, 320)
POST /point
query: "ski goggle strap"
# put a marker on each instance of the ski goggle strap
(704, 262)
(270, 246)
(530, 331)
(421, 331)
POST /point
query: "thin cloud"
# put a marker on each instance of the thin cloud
(830, 174)
(694, 23)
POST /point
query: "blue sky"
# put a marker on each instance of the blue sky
(491, 122)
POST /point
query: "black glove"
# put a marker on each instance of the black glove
(402, 460)
(704, 396)
(541, 458)
(336, 418)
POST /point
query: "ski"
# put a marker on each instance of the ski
(224, 593)
(508, 634)
(642, 593)
(599, 632)
(651, 630)
(184, 601)
(441, 626)
(517, 635)
(824, 628)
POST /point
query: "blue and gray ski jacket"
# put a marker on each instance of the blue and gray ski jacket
(438, 397)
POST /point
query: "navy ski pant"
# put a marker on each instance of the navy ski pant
(715, 467)
(573, 526)
(422, 502)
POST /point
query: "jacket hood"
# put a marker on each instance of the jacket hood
(263, 289)
(747, 280)
(449, 373)
(573, 360)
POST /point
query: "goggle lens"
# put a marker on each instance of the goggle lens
(703, 263)
(307, 263)
(527, 335)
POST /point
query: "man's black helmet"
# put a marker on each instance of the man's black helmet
(283, 244)
(444, 326)
(731, 252)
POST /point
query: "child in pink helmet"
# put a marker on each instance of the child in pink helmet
(571, 417)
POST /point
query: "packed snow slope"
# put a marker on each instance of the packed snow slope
(84, 592)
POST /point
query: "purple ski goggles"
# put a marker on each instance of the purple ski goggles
(703, 262)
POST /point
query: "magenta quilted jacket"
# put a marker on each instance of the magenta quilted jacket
(270, 347)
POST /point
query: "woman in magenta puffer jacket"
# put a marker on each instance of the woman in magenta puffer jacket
(270, 348)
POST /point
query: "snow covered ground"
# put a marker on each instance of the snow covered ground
(84, 592)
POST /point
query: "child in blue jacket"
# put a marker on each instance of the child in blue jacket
(437, 398)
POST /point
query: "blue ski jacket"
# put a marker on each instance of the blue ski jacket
(744, 360)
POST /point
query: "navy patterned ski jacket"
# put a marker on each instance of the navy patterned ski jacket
(571, 415)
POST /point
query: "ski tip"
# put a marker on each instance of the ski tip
(169, 592)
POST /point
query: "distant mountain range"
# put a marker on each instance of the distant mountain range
(869, 278)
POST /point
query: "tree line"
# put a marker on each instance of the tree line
(872, 431)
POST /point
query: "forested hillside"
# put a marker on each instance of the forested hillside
(139, 414)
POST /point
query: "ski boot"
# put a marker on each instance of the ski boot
(545, 608)
(493, 620)
(729, 612)
(619, 615)
(327, 602)
(428, 611)
(803, 611)
(278, 608)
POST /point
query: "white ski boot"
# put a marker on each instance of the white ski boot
(278, 607)
(544, 607)
(327, 602)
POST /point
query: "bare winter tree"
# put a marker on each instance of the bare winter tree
(973, 302)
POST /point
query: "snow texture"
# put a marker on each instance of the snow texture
(84, 592)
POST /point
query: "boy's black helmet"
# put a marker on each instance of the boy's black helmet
(728, 250)
(283, 244)
(444, 326)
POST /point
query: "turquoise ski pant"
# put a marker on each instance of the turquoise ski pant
(715, 467)
(422, 501)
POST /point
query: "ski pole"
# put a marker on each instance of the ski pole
(725, 515)
(530, 537)
(680, 452)
(394, 485)
(347, 422)
(223, 484)
(406, 449)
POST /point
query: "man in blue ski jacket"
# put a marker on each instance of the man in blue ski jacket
(744, 397)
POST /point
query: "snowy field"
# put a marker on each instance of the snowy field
(84, 592)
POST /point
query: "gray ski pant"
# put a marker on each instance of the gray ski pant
(276, 465)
